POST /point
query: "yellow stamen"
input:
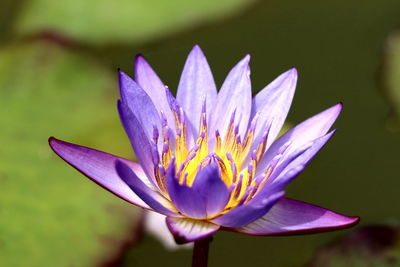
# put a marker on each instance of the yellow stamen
(230, 154)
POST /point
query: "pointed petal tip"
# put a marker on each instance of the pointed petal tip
(293, 72)
(333, 110)
(246, 59)
(291, 75)
(121, 76)
(354, 220)
(338, 107)
(196, 49)
(122, 73)
(138, 61)
(346, 222)
(331, 133)
(124, 82)
(53, 142)
(51, 139)
(139, 57)
(244, 65)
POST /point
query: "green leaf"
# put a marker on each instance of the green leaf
(50, 214)
(104, 21)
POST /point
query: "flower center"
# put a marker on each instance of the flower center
(237, 159)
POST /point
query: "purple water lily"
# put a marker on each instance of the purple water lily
(208, 160)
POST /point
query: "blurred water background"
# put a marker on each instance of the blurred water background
(58, 77)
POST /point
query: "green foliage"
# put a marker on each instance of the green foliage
(104, 21)
(50, 215)
(391, 79)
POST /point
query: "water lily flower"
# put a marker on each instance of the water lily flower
(210, 160)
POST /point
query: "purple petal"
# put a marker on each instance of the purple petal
(291, 167)
(205, 198)
(300, 161)
(300, 135)
(139, 103)
(209, 185)
(235, 95)
(151, 197)
(273, 104)
(272, 191)
(291, 216)
(185, 200)
(139, 140)
(243, 215)
(100, 168)
(187, 230)
(154, 87)
(196, 85)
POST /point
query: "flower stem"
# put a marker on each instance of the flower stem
(200, 252)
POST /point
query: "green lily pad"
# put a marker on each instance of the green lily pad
(103, 21)
(50, 214)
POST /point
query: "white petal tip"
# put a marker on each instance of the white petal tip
(139, 57)
(293, 71)
(196, 48)
(246, 59)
